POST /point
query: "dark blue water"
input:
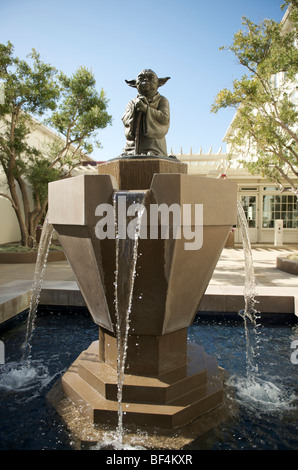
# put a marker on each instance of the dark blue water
(266, 399)
(27, 420)
(267, 413)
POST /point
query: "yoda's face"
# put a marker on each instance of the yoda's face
(147, 83)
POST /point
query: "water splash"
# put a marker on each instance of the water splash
(110, 440)
(263, 395)
(23, 377)
(126, 261)
(40, 267)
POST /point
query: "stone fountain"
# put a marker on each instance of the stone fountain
(167, 382)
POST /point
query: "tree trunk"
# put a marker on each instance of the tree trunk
(23, 228)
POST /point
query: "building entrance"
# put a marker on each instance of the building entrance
(249, 203)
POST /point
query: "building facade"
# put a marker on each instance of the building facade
(262, 202)
(40, 135)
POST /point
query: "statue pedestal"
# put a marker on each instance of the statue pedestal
(137, 172)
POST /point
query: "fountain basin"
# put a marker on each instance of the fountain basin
(167, 386)
(254, 423)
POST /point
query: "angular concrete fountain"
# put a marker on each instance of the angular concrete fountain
(168, 382)
(143, 277)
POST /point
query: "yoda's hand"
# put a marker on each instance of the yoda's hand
(141, 104)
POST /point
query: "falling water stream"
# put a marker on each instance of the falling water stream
(26, 373)
(259, 390)
(40, 267)
(127, 236)
(250, 315)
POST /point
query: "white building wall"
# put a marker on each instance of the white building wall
(9, 231)
(9, 227)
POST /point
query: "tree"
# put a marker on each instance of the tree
(264, 129)
(77, 111)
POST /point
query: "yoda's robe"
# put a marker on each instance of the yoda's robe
(145, 132)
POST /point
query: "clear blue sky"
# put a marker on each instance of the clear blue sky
(119, 38)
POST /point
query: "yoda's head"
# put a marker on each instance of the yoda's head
(147, 83)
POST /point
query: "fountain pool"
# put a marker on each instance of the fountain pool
(266, 415)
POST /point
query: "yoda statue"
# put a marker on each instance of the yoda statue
(147, 117)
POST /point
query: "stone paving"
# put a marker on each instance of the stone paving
(230, 269)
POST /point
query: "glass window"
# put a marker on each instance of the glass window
(274, 188)
(249, 189)
(280, 207)
(270, 188)
(249, 207)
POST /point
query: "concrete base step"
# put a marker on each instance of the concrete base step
(147, 401)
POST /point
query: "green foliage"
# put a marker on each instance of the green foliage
(77, 111)
(30, 87)
(82, 110)
(40, 175)
(264, 130)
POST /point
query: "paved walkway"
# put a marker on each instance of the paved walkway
(230, 269)
(228, 279)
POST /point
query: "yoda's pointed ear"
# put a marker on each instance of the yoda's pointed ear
(132, 83)
(162, 81)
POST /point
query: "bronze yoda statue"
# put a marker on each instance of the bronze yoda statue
(147, 117)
